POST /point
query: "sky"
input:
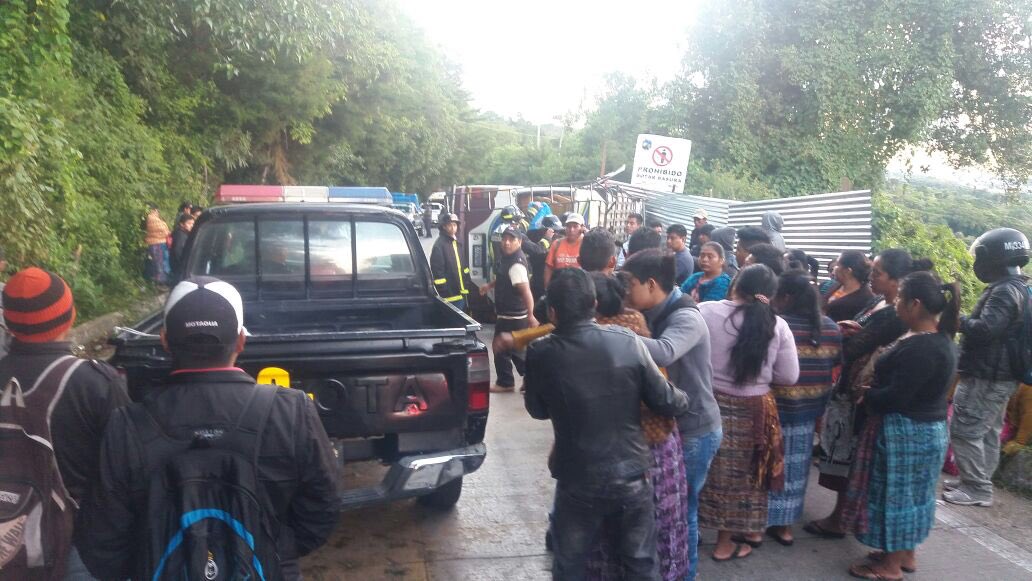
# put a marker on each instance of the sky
(540, 59)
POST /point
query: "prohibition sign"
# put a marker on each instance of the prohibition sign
(662, 155)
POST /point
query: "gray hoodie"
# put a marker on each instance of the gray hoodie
(684, 349)
(772, 223)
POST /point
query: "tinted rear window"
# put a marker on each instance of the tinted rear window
(338, 258)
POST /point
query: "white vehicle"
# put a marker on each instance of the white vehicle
(435, 212)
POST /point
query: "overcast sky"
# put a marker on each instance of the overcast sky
(542, 58)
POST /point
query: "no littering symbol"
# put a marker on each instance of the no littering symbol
(662, 155)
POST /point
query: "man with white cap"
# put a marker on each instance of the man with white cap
(701, 218)
(565, 253)
(211, 472)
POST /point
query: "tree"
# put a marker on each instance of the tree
(803, 94)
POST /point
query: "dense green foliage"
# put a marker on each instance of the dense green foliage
(107, 105)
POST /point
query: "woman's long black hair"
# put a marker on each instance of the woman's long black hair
(609, 292)
(754, 285)
(800, 298)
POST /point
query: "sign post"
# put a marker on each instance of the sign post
(661, 163)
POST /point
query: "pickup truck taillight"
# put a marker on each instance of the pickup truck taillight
(479, 382)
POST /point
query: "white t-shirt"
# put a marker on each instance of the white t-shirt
(518, 275)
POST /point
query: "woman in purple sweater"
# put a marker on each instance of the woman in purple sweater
(751, 348)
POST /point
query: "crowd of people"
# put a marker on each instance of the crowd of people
(677, 401)
(760, 361)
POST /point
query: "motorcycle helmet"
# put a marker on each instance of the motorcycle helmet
(997, 250)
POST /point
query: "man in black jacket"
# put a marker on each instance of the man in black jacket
(986, 378)
(203, 399)
(590, 381)
(449, 266)
(179, 238)
(40, 311)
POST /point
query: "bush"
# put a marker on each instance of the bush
(895, 227)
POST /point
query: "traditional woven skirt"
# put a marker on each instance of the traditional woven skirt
(670, 494)
(786, 507)
(898, 467)
(749, 464)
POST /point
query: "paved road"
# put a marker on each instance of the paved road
(497, 530)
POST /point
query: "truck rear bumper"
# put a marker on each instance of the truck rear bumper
(413, 476)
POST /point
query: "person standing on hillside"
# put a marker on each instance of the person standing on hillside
(633, 223)
(156, 237)
(987, 379)
(179, 238)
(449, 266)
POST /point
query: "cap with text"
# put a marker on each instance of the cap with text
(203, 313)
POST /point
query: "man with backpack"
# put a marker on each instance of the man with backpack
(211, 475)
(48, 397)
(993, 358)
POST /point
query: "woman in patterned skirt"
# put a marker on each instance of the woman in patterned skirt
(819, 344)
(890, 501)
(875, 327)
(751, 348)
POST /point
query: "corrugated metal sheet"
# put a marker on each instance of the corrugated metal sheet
(822, 225)
(679, 209)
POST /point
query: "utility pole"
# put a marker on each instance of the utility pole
(602, 169)
(539, 136)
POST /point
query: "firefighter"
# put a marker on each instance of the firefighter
(449, 265)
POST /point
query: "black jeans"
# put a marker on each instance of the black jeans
(579, 513)
(504, 360)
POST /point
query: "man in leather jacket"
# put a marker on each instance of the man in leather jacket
(986, 378)
(590, 381)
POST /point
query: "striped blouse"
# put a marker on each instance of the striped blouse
(819, 368)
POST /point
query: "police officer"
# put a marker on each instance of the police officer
(986, 378)
(449, 264)
(544, 234)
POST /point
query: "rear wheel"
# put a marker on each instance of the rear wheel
(444, 497)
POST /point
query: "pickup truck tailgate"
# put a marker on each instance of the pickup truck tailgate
(369, 397)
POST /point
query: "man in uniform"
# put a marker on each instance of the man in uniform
(514, 306)
(449, 265)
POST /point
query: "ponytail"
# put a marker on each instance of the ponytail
(754, 286)
(936, 297)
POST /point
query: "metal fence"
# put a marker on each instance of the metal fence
(822, 225)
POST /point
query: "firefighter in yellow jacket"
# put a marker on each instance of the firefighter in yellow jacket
(449, 265)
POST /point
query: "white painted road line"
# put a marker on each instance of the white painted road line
(983, 536)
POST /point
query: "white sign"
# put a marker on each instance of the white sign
(660, 163)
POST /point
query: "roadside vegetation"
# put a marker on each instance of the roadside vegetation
(106, 106)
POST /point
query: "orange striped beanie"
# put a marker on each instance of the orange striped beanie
(38, 306)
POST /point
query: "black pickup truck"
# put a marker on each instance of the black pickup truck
(339, 303)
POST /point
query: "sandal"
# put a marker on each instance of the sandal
(736, 554)
(746, 540)
(866, 572)
(877, 556)
(780, 539)
(814, 528)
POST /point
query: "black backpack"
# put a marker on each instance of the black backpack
(36, 511)
(1019, 344)
(207, 518)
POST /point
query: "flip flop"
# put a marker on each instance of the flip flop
(858, 571)
(814, 528)
(877, 556)
(736, 554)
(747, 541)
(779, 539)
